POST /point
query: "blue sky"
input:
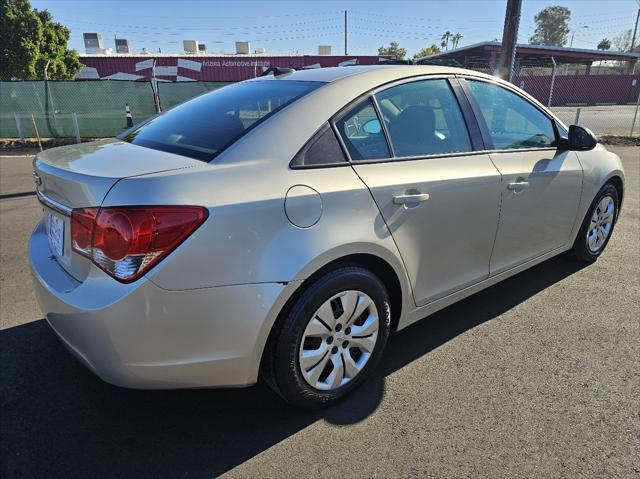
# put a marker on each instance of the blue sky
(301, 26)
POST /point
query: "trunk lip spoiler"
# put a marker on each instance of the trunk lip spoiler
(54, 205)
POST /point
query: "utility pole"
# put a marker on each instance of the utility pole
(345, 33)
(635, 31)
(509, 39)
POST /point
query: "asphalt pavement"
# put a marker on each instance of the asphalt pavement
(538, 376)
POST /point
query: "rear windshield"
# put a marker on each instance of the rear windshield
(201, 128)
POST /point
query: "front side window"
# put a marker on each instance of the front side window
(201, 128)
(362, 133)
(513, 122)
(423, 118)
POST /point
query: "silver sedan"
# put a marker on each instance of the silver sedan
(284, 226)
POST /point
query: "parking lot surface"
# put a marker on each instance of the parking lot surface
(538, 376)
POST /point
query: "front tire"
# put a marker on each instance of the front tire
(597, 226)
(331, 339)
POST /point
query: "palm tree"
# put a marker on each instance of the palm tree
(445, 40)
(456, 39)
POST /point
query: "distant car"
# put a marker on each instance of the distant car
(284, 226)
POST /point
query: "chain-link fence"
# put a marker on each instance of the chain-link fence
(88, 109)
(604, 103)
(172, 94)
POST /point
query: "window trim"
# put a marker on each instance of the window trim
(483, 124)
(470, 118)
(465, 111)
(383, 125)
(369, 94)
(472, 134)
(474, 121)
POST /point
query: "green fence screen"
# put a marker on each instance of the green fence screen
(99, 105)
(171, 94)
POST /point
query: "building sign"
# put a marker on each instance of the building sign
(172, 68)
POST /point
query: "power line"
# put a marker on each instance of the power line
(150, 27)
(414, 18)
(254, 35)
(242, 17)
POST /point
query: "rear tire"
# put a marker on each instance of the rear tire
(597, 226)
(330, 340)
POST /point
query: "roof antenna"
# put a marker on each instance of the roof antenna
(277, 71)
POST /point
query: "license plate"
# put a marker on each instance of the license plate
(56, 234)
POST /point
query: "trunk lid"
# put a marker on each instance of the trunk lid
(80, 176)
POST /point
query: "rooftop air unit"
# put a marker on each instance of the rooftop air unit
(123, 45)
(202, 48)
(243, 48)
(93, 43)
(190, 46)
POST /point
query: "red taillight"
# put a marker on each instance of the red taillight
(82, 220)
(128, 241)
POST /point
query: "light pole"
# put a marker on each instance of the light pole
(566, 67)
(574, 34)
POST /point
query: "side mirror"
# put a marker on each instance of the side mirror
(372, 127)
(581, 139)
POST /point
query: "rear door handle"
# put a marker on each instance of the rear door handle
(518, 185)
(410, 199)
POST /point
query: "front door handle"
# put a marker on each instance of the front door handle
(519, 184)
(410, 199)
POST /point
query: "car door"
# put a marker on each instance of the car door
(438, 197)
(541, 185)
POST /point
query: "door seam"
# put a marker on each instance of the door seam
(577, 221)
(495, 236)
(404, 265)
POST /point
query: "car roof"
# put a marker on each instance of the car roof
(334, 74)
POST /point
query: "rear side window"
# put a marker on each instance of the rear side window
(362, 133)
(423, 118)
(201, 128)
(513, 122)
(322, 149)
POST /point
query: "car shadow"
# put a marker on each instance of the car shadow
(59, 420)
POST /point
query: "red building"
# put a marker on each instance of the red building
(224, 68)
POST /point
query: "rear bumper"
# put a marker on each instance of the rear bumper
(141, 336)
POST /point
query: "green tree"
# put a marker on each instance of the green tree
(446, 36)
(30, 42)
(552, 26)
(605, 44)
(393, 50)
(427, 51)
(622, 42)
(456, 39)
